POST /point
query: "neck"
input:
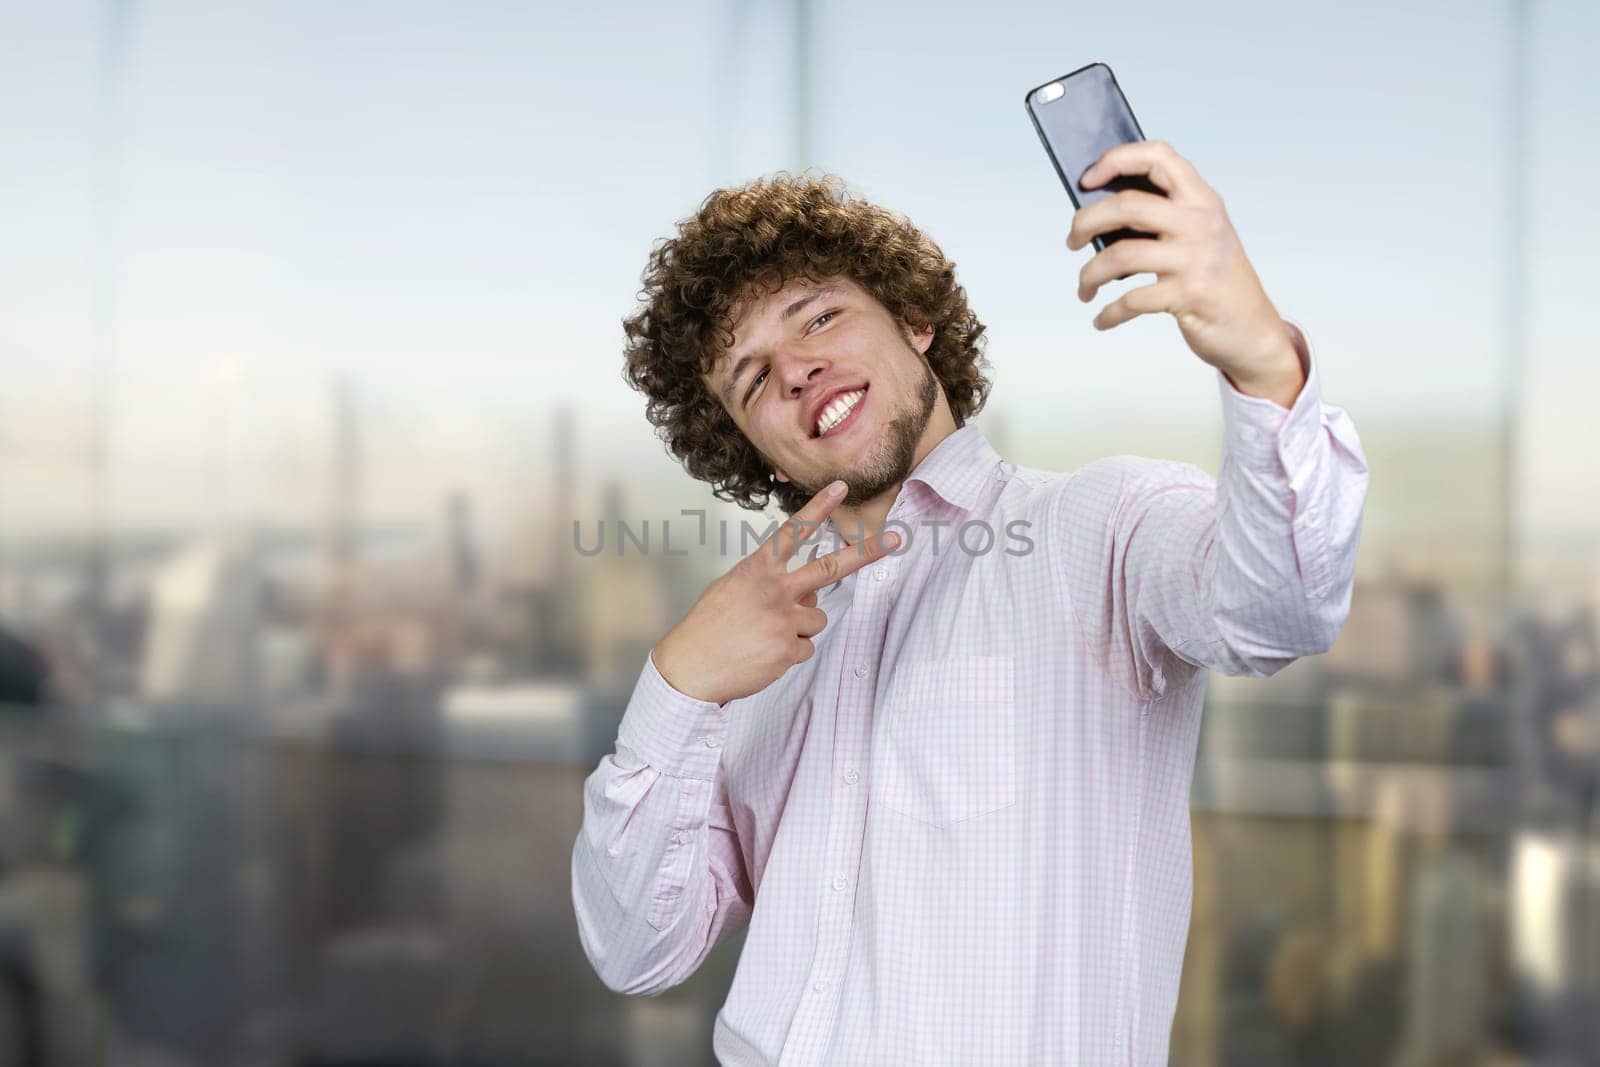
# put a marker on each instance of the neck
(868, 517)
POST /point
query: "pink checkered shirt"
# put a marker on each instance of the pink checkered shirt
(959, 833)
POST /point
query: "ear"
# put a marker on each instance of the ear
(922, 339)
(779, 476)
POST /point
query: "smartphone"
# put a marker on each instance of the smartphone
(1078, 116)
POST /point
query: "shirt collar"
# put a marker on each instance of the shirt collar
(957, 469)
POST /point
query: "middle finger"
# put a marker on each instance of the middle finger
(1132, 208)
(825, 570)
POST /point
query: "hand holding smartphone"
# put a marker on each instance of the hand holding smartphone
(1078, 116)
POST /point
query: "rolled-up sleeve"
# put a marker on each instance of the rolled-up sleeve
(1169, 570)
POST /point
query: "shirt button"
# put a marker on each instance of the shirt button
(712, 742)
(682, 838)
(880, 574)
(851, 776)
(861, 670)
(820, 986)
(839, 882)
(1247, 433)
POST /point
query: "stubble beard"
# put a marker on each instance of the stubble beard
(888, 465)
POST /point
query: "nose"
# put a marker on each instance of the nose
(795, 369)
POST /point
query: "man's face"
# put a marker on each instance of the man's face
(826, 384)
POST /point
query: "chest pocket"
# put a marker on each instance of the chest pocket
(950, 740)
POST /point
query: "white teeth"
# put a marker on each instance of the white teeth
(835, 412)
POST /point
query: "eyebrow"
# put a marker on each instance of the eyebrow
(789, 312)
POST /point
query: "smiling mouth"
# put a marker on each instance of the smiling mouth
(838, 413)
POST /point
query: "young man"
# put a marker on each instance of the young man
(944, 774)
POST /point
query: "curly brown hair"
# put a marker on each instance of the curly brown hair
(757, 238)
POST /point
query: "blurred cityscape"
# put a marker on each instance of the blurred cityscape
(308, 797)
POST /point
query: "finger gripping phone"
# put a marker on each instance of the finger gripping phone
(1078, 116)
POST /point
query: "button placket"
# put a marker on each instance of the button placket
(843, 849)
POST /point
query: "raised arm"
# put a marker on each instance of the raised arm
(1168, 569)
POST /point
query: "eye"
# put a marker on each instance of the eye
(754, 384)
(818, 320)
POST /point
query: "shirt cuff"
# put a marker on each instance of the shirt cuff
(1261, 432)
(672, 732)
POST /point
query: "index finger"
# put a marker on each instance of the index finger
(1155, 159)
(805, 522)
(825, 570)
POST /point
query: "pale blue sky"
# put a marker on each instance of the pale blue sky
(452, 204)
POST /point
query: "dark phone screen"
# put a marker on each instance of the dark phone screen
(1089, 117)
